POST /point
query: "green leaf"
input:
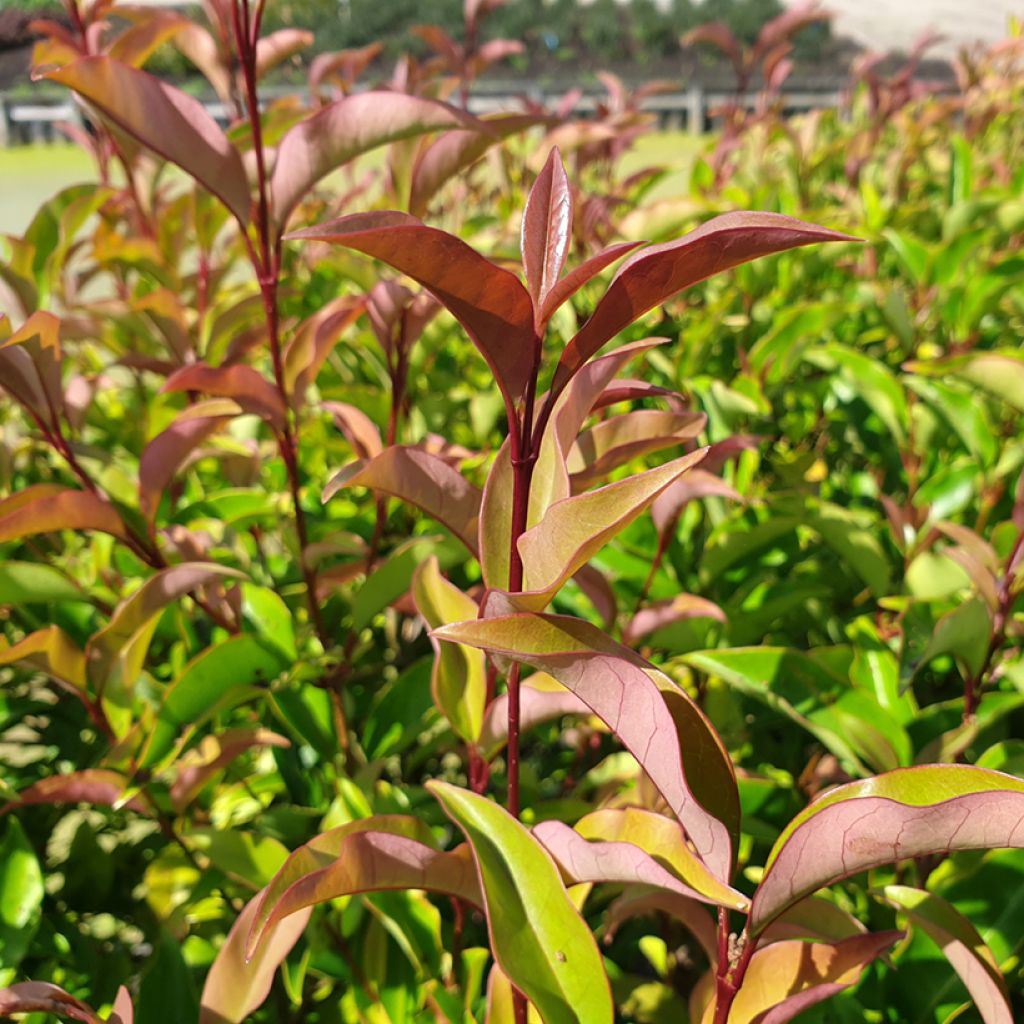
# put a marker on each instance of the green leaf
(166, 994)
(965, 633)
(33, 583)
(538, 937)
(270, 619)
(21, 895)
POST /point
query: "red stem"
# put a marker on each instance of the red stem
(729, 978)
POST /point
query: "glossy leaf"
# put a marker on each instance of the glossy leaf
(165, 120)
(575, 529)
(459, 677)
(566, 287)
(537, 936)
(615, 683)
(547, 229)
(911, 812)
(657, 273)
(962, 946)
(421, 479)
(63, 510)
(343, 130)
(236, 986)
(367, 855)
(251, 390)
(786, 978)
(488, 301)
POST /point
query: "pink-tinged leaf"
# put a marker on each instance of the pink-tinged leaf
(314, 340)
(398, 316)
(657, 273)
(151, 30)
(346, 65)
(565, 288)
(30, 366)
(421, 479)
(619, 439)
(95, 786)
(538, 937)
(122, 1011)
(124, 641)
(719, 35)
(488, 301)
(640, 901)
(347, 128)
(814, 917)
(585, 856)
(910, 812)
(165, 120)
(491, 52)
(787, 978)
(458, 681)
(599, 592)
(676, 746)
(455, 151)
(546, 231)
(781, 29)
(277, 47)
(244, 385)
(374, 854)
(166, 453)
(359, 430)
(665, 613)
(698, 483)
(42, 997)
(962, 946)
(574, 529)
(202, 50)
(236, 986)
(194, 769)
(64, 510)
(52, 651)
(541, 699)
(630, 390)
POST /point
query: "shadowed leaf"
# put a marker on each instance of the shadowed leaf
(64, 510)
(95, 786)
(250, 389)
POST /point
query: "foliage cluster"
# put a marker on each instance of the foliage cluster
(379, 646)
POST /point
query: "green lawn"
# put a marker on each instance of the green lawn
(29, 175)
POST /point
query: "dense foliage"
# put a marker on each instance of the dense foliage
(381, 644)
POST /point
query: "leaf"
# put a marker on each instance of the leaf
(21, 894)
(538, 937)
(35, 583)
(455, 151)
(565, 288)
(616, 685)
(166, 453)
(575, 529)
(277, 47)
(96, 786)
(421, 479)
(359, 430)
(786, 978)
(314, 340)
(1001, 374)
(250, 389)
(31, 361)
(856, 544)
(231, 666)
(165, 120)
(962, 946)
(635, 846)
(459, 678)
(546, 230)
(236, 986)
(664, 613)
(368, 855)
(911, 812)
(640, 901)
(42, 997)
(965, 633)
(62, 510)
(52, 651)
(343, 130)
(541, 699)
(657, 273)
(488, 301)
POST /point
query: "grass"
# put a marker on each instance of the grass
(29, 175)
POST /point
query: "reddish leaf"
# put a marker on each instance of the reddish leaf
(251, 390)
(910, 812)
(782, 28)
(698, 483)
(278, 46)
(657, 273)
(42, 997)
(719, 35)
(664, 613)
(314, 341)
(30, 366)
(487, 300)
(813, 918)
(346, 128)
(151, 30)
(547, 230)
(122, 1012)
(541, 699)
(640, 901)
(359, 430)
(237, 985)
(64, 510)
(455, 151)
(568, 286)
(599, 592)
(165, 120)
(689, 767)
(420, 479)
(95, 786)
(370, 855)
(164, 455)
(786, 978)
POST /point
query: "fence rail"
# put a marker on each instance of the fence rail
(38, 120)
